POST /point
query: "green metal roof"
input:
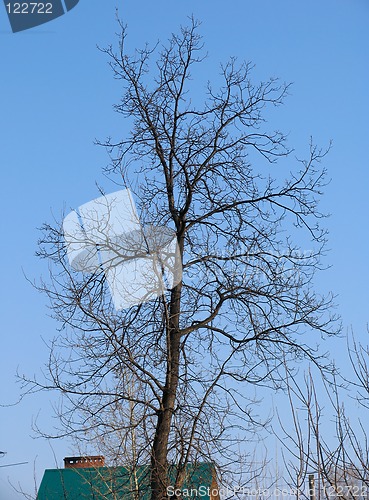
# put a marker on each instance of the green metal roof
(113, 483)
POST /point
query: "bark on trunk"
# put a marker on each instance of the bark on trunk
(159, 465)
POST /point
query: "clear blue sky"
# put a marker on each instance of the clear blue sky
(56, 96)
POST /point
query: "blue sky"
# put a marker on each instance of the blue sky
(56, 97)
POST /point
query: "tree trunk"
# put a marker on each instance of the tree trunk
(159, 464)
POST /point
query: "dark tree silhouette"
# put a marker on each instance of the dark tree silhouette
(168, 381)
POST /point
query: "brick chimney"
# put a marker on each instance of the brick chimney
(84, 462)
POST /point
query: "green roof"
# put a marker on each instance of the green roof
(113, 483)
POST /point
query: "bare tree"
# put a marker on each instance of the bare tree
(181, 369)
(329, 435)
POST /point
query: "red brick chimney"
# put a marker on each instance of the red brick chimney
(84, 462)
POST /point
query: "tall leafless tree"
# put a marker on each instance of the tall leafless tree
(180, 370)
